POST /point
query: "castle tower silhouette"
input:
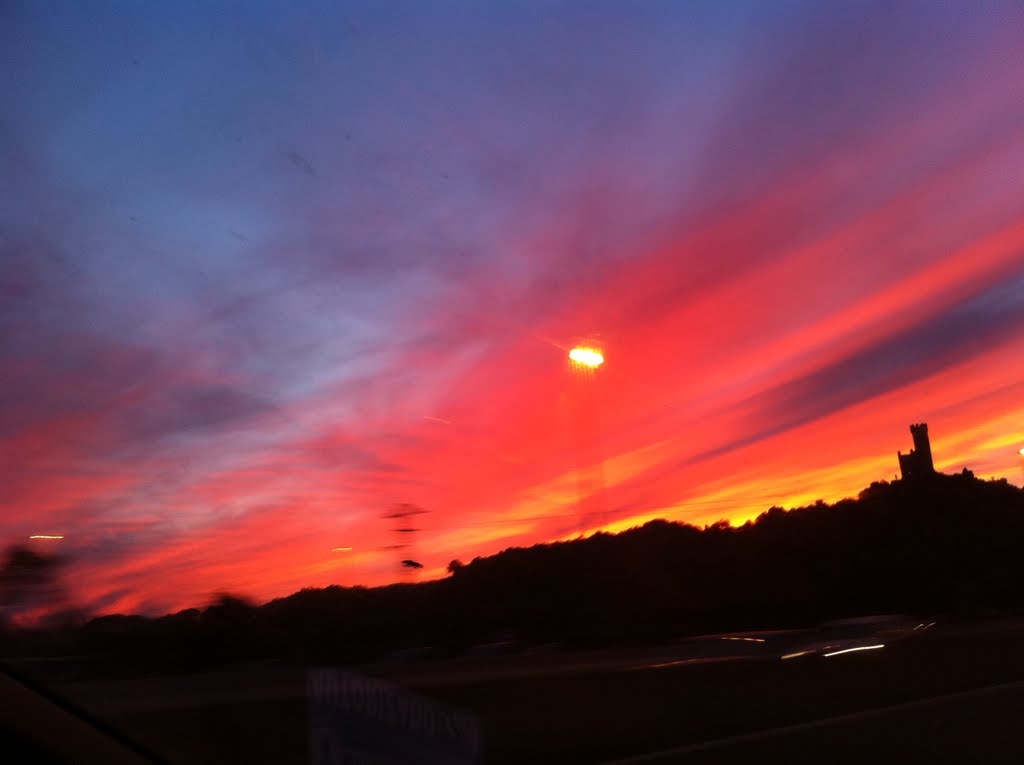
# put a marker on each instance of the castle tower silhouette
(918, 463)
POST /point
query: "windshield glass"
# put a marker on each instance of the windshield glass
(452, 345)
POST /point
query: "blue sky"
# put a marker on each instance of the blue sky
(269, 267)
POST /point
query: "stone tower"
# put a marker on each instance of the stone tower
(918, 463)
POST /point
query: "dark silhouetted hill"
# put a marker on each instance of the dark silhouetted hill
(949, 545)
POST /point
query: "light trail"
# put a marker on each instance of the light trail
(858, 648)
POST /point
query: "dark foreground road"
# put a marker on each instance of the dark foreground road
(981, 725)
(948, 696)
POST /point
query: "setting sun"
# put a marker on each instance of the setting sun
(589, 357)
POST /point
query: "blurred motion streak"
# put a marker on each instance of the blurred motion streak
(857, 648)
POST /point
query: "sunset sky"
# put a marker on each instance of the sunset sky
(267, 269)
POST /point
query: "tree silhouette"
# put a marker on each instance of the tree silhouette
(29, 580)
(949, 545)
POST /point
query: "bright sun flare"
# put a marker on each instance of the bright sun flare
(587, 356)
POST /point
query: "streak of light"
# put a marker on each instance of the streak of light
(794, 655)
(745, 639)
(857, 648)
(47, 536)
(588, 357)
(341, 549)
(684, 662)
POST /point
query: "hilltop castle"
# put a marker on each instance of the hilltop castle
(918, 463)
